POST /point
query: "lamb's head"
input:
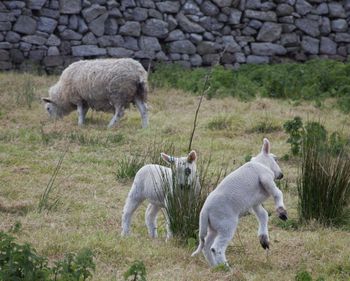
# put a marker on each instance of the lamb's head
(185, 168)
(51, 107)
(268, 159)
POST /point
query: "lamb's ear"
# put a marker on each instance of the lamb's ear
(266, 146)
(47, 100)
(192, 156)
(167, 158)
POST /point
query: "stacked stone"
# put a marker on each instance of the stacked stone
(53, 33)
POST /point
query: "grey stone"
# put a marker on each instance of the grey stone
(227, 58)
(16, 56)
(328, 46)
(168, 6)
(4, 55)
(252, 59)
(235, 16)
(5, 45)
(24, 46)
(111, 4)
(230, 45)
(161, 56)
(5, 26)
(34, 39)
(127, 4)
(261, 15)
(73, 22)
(187, 25)
(97, 26)
(249, 31)
(139, 14)
(156, 28)
(147, 4)
(110, 41)
(208, 36)
(12, 5)
(255, 24)
(190, 7)
(70, 6)
(130, 28)
(119, 52)
(93, 12)
(269, 32)
(266, 6)
(310, 27)
(46, 24)
(342, 37)
(222, 18)
(174, 57)
(303, 7)
(69, 34)
(223, 3)
(175, 35)
(267, 49)
(6, 16)
(152, 13)
(339, 25)
(12, 37)
(206, 47)
(65, 48)
(82, 27)
(253, 4)
(209, 9)
(195, 38)
(239, 57)
(142, 55)
(89, 39)
(130, 43)
(88, 50)
(149, 44)
(5, 65)
(172, 23)
(111, 26)
(53, 61)
(325, 26)
(35, 4)
(115, 13)
(211, 59)
(53, 40)
(63, 20)
(290, 40)
(25, 25)
(336, 10)
(322, 9)
(210, 23)
(284, 10)
(286, 19)
(310, 45)
(182, 47)
(50, 13)
(53, 51)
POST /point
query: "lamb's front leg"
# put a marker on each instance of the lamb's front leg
(82, 110)
(262, 217)
(277, 195)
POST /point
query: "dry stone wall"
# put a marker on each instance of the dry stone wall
(54, 33)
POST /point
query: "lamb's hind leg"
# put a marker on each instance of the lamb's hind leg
(262, 216)
(129, 208)
(142, 107)
(119, 113)
(151, 220)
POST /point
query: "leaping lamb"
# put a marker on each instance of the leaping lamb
(242, 190)
(108, 85)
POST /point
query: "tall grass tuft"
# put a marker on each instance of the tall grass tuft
(183, 203)
(27, 94)
(324, 182)
(46, 201)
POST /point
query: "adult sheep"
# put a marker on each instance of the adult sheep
(108, 85)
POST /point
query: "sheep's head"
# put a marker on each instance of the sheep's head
(185, 168)
(51, 107)
(268, 159)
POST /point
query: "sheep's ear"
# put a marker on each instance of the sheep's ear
(47, 100)
(266, 146)
(192, 156)
(167, 158)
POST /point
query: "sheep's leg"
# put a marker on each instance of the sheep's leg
(225, 232)
(119, 113)
(82, 110)
(142, 107)
(209, 239)
(262, 216)
(277, 195)
(151, 220)
(129, 208)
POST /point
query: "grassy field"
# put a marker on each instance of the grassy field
(88, 213)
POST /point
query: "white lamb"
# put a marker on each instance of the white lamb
(108, 85)
(148, 184)
(242, 190)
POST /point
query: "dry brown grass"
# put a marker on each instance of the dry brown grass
(91, 200)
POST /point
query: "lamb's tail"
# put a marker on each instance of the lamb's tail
(142, 89)
(203, 228)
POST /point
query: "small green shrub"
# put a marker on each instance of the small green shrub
(264, 127)
(136, 272)
(303, 276)
(295, 130)
(222, 122)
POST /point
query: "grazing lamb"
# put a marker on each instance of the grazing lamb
(148, 185)
(242, 190)
(104, 85)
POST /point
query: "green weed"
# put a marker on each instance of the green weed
(136, 272)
